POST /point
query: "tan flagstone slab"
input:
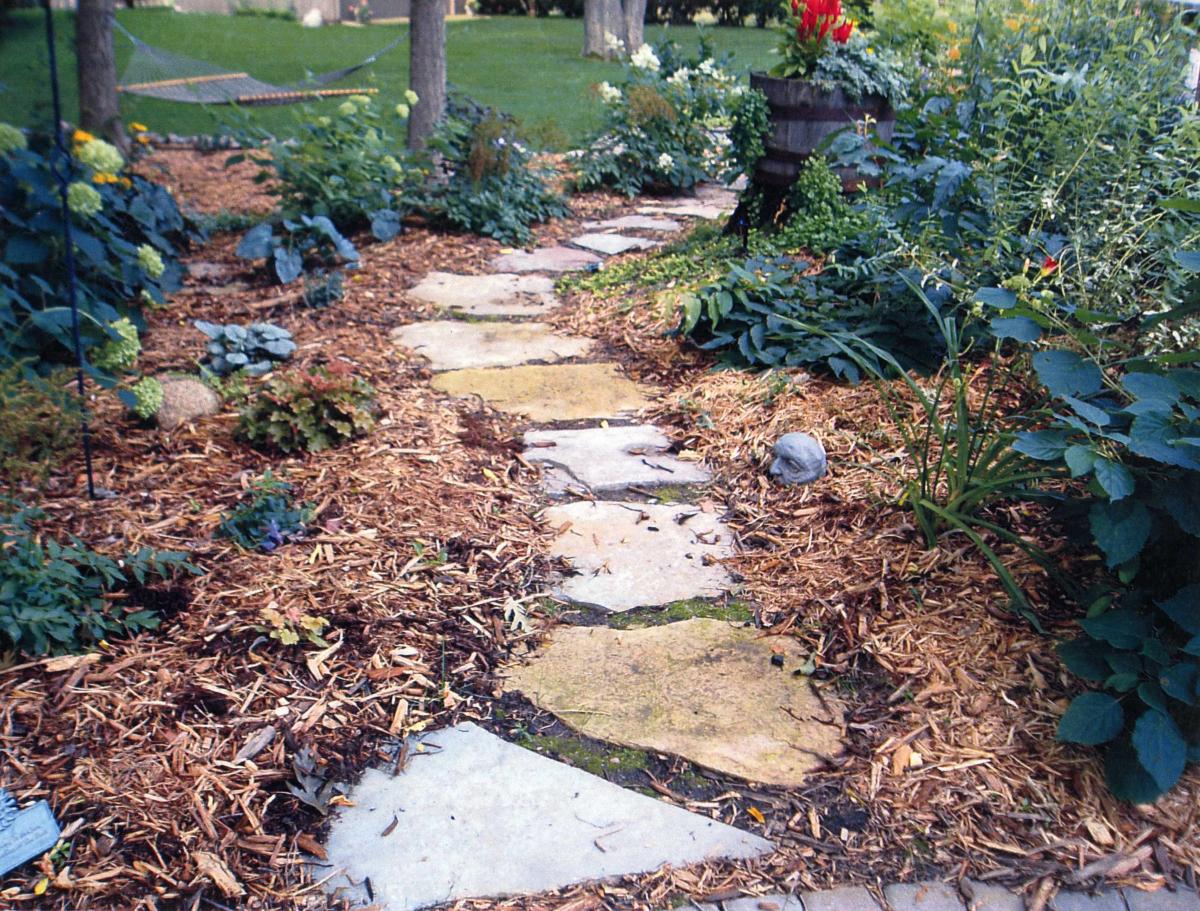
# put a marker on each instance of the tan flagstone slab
(453, 344)
(636, 223)
(499, 294)
(545, 259)
(690, 209)
(701, 689)
(628, 555)
(613, 244)
(556, 392)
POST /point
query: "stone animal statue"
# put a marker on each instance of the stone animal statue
(799, 459)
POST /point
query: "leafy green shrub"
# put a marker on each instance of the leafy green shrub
(323, 290)
(57, 598)
(40, 424)
(144, 397)
(254, 349)
(491, 185)
(348, 166)
(673, 124)
(126, 230)
(821, 219)
(268, 519)
(289, 243)
(310, 410)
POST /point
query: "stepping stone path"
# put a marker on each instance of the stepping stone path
(628, 555)
(546, 259)
(608, 459)
(566, 392)
(702, 689)
(453, 344)
(612, 244)
(487, 295)
(473, 816)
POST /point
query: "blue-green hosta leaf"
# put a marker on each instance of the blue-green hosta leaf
(1193, 646)
(385, 224)
(1181, 500)
(1189, 259)
(1085, 658)
(256, 243)
(1151, 386)
(1065, 373)
(1184, 608)
(1121, 628)
(1151, 694)
(289, 265)
(1043, 445)
(1021, 328)
(1179, 682)
(1155, 437)
(1080, 459)
(1000, 298)
(1088, 411)
(1091, 719)
(1115, 479)
(1121, 529)
(1160, 747)
(1125, 775)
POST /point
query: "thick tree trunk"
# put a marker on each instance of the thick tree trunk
(427, 69)
(635, 24)
(97, 72)
(595, 23)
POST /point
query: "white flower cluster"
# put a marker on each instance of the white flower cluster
(644, 59)
(614, 44)
(665, 162)
(680, 76)
(609, 94)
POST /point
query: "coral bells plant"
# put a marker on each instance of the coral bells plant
(807, 35)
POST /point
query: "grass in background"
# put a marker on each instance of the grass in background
(530, 68)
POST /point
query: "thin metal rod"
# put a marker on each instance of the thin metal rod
(61, 168)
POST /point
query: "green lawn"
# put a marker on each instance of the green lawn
(530, 68)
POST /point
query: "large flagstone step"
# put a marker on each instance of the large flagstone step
(499, 294)
(473, 816)
(557, 392)
(453, 344)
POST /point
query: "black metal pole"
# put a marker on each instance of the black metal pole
(61, 167)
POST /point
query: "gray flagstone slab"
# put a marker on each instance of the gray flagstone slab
(500, 294)
(549, 392)
(636, 223)
(629, 555)
(545, 259)
(473, 816)
(612, 244)
(607, 459)
(452, 344)
(690, 209)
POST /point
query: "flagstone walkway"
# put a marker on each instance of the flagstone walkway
(473, 816)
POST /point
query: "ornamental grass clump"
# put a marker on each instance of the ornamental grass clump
(309, 410)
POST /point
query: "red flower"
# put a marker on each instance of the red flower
(841, 34)
(795, 7)
(1049, 265)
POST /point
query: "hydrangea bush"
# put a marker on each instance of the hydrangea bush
(673, 123)
(127, 233)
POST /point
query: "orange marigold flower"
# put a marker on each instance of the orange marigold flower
(82, 136)
(954, 53)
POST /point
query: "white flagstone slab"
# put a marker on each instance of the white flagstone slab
(545, 259)
(453, 344)
(501, 294)
(636, 223)
(473, 816)
(612, 244)
(629, 555)
(688, 209)
(607, 459)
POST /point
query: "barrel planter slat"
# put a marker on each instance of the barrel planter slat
(802, 118)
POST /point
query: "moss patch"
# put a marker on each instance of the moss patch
(604, 761)
(642, 617)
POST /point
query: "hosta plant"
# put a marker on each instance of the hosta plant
(266, 518)
(290, 243)
(309, 410)
(254, 349)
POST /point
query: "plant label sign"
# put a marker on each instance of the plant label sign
(24, 834)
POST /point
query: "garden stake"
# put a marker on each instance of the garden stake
(60, 168)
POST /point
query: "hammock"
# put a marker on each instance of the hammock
(156, 73)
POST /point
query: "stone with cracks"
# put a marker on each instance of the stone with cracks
(502, 294)
(702, 689)
(556, 392)
(545, 259)
(628, 555)
(452, 344)
(612, 244)
(635, 223)
(185, 399)
(606, 459)
(473, 816)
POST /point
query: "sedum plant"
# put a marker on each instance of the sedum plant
(309, 410)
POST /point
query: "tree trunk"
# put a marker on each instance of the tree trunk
(427, 69)
(595, 23)
(635, 24)
(97, 72)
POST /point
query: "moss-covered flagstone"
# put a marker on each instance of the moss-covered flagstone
(561, 392)
(703, 689)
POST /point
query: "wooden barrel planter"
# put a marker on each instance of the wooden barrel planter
(802, 118)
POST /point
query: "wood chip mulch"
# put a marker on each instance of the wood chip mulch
(168, 757)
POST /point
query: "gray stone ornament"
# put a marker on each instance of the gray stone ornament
(799, 459)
